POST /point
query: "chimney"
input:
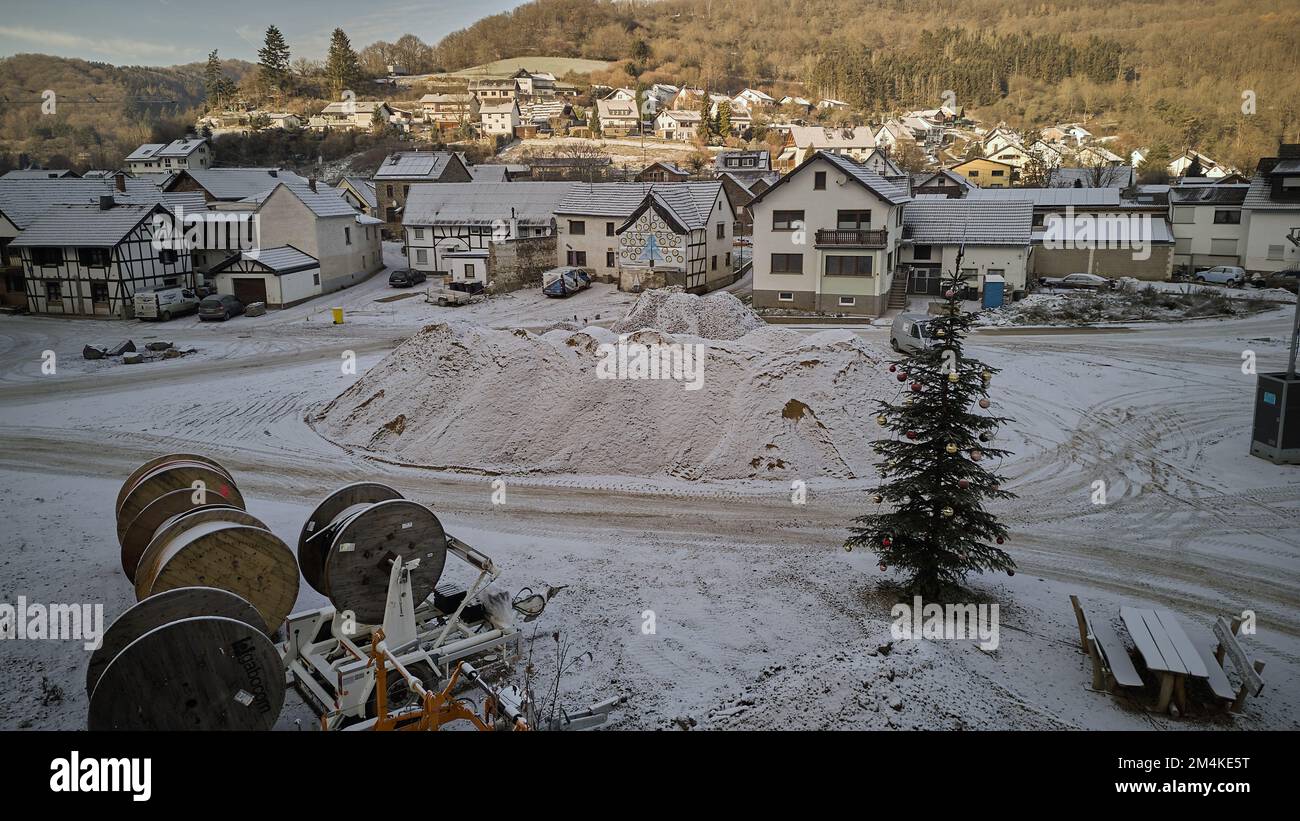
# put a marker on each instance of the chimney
(274, 172)
(106, 202)
(311, 183)
(119, 182)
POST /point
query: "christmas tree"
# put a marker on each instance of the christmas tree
(931, 522)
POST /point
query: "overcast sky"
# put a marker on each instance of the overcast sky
(167, 32)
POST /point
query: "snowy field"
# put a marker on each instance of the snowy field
(763, 620)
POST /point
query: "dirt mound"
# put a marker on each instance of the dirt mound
(775, 404)
(715, 316)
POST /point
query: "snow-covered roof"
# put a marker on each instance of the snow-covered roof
(22, 201)
(408, 165)
(690, 202)
(173, 149)
(325, 201)
(940, 220)
(240, 183)
(85, 226)
(482, 203)
(1049, 197)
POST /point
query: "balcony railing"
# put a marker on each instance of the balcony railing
(853, 238)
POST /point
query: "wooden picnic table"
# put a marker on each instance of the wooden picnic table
(1166, 650)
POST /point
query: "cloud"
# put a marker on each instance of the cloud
(117, 47)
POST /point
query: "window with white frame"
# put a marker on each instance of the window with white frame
(848, 301)
(785, 296)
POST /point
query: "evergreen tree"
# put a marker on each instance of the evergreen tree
(342, 68)
(724, 118)
(706, 120)
(273, 61)
(933, 526)
(218, 86)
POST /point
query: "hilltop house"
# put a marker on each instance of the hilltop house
(802, 141)
(618, 117)
(167, 158)
(494, 89)
(448, 112)
(987, 173)
(400, 170)
(500, 118)
(753, 98)
(678, 124)
(649, 235)
(351, 114)
(827, 238)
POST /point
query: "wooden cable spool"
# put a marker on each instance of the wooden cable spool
(134, 478)
(164, 608)
(223, 548)
(314, 543)
(140, 531)
(175, 474)
(360, 542)
(198, 673)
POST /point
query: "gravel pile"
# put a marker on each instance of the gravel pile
(715, 316)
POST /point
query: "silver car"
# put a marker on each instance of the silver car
(908, 333)
(1230, 275)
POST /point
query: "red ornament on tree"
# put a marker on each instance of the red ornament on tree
(963, 484)
(885, 542)
(911, 434)
(893, 368)
(984, 403)
(883, 567)
(1001, 540)
(916, 387)
(902, 377)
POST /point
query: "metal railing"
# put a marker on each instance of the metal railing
(856, 238)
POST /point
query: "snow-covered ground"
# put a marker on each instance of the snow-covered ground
(761, 618)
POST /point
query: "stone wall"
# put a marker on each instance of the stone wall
(519, 263)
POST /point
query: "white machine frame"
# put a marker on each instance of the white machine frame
(327, 656)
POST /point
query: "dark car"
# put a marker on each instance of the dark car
(405, 278)
(1277, 279)
(219, 308)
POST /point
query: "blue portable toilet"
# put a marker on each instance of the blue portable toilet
(994, 285)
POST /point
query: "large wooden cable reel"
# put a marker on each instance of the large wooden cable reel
(226, 548)
(199, 673)
(164, 608)
(348, 545)
(200, 475)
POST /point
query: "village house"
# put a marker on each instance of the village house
(231, 184)
(402, 169)
(746, 166)
(24, 198)
(678, 124)
(742, 120)
(500, 118)
(359, 192)
(802, 141)
(317, 221)
(663, 171)
(987, 173)
(1207, 224)
(617, 117)
(1140, 243)
(448, 112)
(649, 235)
(352, 114)
(1272, 212)
(494, 89)
(168, 158)
(944, 182)
(832, 104)
(993, 236)
(277, 277)
(89, 260)
(499, 235)
(827, 238)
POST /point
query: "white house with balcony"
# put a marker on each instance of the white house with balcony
(168, 158)
(827, 238)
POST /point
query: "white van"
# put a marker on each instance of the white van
(908, 333)
(165, 302)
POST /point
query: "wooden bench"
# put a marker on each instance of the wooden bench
(1252, 683)
(1111, 666)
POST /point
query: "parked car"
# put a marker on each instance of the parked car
(1230, 275)
(454, 293)
(1276, 278)
(406, 277)
(562, 282)
(908, 333)
(164, 302)
(219, 308)
(1077, 281)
